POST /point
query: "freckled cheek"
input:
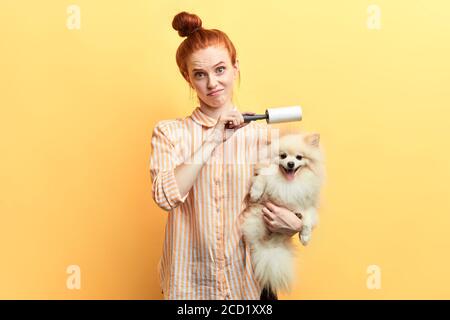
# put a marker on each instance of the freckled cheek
(229, 82)
(228, 86)
(201, 88)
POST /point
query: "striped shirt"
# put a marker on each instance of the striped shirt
(204, 255)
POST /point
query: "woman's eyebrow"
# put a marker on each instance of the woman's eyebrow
(213, 66)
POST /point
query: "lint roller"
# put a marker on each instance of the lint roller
(277, 115)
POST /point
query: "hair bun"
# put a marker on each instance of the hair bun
(186, 23)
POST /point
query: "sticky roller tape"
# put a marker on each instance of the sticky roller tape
(277, 115)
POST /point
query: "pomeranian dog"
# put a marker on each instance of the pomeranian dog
(292, 178)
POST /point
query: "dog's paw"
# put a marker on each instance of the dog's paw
(304, 239)
(255, 194)
(305, 235)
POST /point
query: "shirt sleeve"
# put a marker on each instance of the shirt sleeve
(163, 161)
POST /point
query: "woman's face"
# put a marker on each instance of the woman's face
(212, 75)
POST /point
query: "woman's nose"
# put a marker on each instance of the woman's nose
(212, 82)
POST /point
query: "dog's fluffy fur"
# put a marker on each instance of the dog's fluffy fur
(296, 190)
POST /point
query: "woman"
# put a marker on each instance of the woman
(201, 168)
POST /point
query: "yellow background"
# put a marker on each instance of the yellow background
(78, 108)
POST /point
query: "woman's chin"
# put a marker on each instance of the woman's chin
(217, 102)
(213, 102)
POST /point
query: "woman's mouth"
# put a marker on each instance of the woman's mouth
(215, 93)
(289, 173)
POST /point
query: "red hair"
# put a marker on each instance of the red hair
(190, 26)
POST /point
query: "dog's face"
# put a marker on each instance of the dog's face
(296, 152)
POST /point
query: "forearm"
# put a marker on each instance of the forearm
(187, 172)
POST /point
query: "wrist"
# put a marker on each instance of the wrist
(299, 220)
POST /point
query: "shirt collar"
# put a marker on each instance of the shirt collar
(203, 119)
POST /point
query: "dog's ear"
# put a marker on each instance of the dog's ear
(313, 139)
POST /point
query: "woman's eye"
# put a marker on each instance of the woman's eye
(221, 68)
(299, 157)
(283, 155)
(198, 73)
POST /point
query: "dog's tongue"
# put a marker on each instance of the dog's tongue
(290, 175)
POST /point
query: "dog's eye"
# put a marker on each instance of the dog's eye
(299, 157)
(283, 155)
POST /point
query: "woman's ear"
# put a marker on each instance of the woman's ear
(236, 68)
(186, 77)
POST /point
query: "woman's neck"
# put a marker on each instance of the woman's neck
(215, 112)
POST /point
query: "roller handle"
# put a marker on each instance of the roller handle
(248, 118)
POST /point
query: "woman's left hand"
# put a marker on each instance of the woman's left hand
(281, 220)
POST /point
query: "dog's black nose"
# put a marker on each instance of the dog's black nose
(290, 164)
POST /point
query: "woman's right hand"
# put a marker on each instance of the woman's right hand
(227, 124)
